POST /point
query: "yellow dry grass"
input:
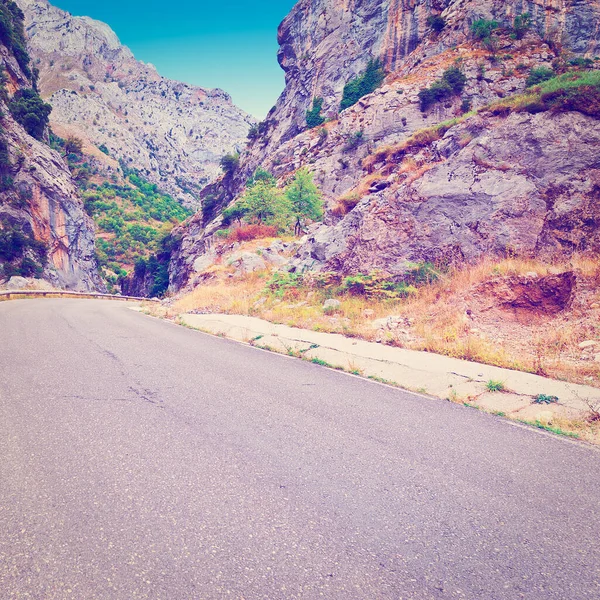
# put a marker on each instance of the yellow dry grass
(436, 314)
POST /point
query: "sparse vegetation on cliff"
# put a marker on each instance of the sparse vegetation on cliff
(133, 217)
(12, 34)
(452, 83)
(28, 109)
(366, 83)
(20, 253)
(313, 116)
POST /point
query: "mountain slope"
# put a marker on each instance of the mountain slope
(44, 231)
(427, 166)
(173, 133)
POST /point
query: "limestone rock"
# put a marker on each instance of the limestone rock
(42, 201)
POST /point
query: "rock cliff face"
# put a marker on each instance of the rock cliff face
(325, 43)
(44, 230)
(172, 132)
(490, 184)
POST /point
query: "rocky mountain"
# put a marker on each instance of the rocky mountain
(44, 231)
(172, 132)
(454, 156)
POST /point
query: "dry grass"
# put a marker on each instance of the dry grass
(345, 204)
(221, 296)
(436, 319)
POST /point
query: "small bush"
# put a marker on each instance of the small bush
(282, 281)
(353, 141)
(230, 163)
(313, 116)
(452, 82)
(544, 399)
(245, 233)
(581, 63)
(521, 25)
(104, 149)
(377, 285)
(366, 83)
(483, 28)
(73, 146)
(436, 22)
(539, 75)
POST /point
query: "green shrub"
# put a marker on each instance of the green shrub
(353, 141)
(234, 213)
(582, 63)
(253, 132)
(495, 386)
(483, 28)
(377, 285)
(313, 116)
(281, 282)
(366, 83)
(104, 149)
(539, 75)
(420, 273)
(28, 109)
(230, 163)
(436, 22)
(452, 83)
(544, 399)
(521, 26)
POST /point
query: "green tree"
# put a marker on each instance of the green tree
(304, 198)
(266, 204)
(31, 111)
(230, 163)
(483, 28)
(522, 24)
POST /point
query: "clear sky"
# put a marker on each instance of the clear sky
(229, 44)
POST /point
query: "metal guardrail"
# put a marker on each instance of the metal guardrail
(24, 294)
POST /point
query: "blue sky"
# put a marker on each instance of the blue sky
(231, 45)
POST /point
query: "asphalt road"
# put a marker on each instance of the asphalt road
(139, 459)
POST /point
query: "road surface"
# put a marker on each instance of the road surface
(139, 459)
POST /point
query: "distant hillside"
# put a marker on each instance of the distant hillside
(174, 134)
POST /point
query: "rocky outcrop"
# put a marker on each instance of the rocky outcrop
(174, 133)
(43, 227)
(526, 185)
(491, 185)
(325, 43)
